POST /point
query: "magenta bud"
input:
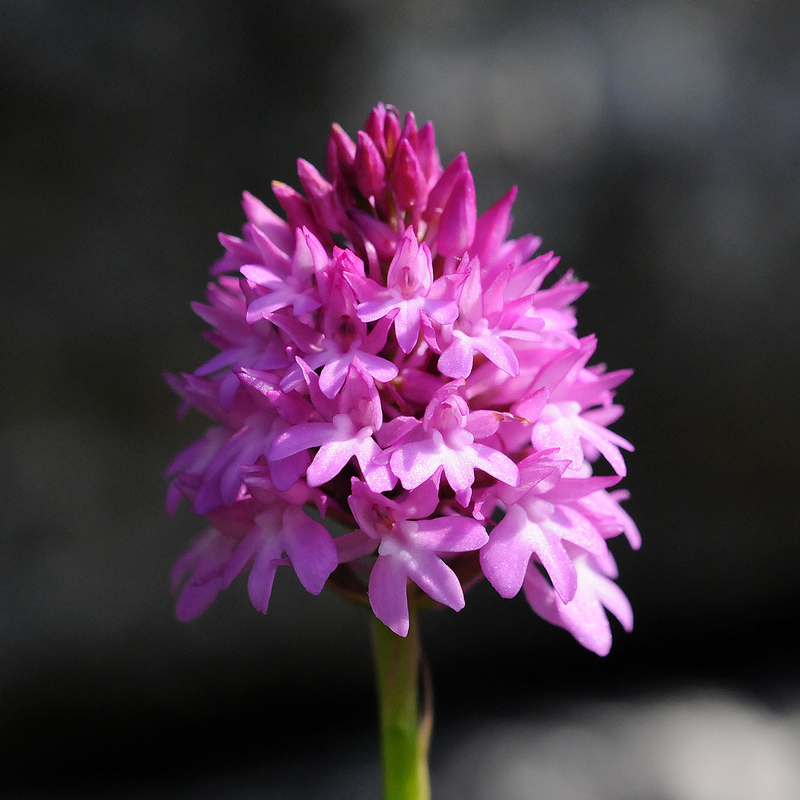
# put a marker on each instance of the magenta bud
(320, 193)
(410, 130)
(457, 224)
(408, 179)
(373, 127)
(266, 220)
(391, 130)
(381, 235)
(440, 194)
(297, 208)
(427, 153)
(370, 171)
(340, 154)
(493, 226)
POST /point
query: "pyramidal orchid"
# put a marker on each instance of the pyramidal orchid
(392, 361)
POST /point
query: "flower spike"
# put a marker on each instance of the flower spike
(391, 362)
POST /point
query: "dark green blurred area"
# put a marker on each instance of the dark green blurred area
(657, 149)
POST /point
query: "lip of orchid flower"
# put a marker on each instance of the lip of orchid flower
(541, 518)
(390, 360)
(583, 616)
(347, 434)
(408, 547)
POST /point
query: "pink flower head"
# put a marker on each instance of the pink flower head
(390, 360)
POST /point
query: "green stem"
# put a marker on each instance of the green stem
(404, 736)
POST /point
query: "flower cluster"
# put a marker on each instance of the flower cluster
(393, 362)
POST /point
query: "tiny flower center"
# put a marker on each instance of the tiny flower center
(538, 510)
(448, 418)
(408, 283)
(347, 331)
(383, 517)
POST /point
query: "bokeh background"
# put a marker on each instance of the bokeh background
(657, 150)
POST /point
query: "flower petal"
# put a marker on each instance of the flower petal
(388, 595)
(310, 548)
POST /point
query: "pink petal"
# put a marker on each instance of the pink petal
(267, 221)
(457, 224)
(380, 369)
(407, 325)
(458, 468)
(454, 534)
(273, 257)
(498, 352)
(299, 438)
(379, 476)
(505, 558)
(436, 579)
(262, 573)
(196, 599)
(497, 464)
(330, 460)
(550, 551)
(422, 501)
(493, 226)
(310, 548)
(332, 377)
(353, 545)
(370, 310)
(606, 442)
(415, 462)
(456, 360)
(584, 616)
(440, 193)
(387, 594)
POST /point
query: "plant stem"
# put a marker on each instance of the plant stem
(404, 736)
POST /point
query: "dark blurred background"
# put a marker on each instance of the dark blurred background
(657, 150)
